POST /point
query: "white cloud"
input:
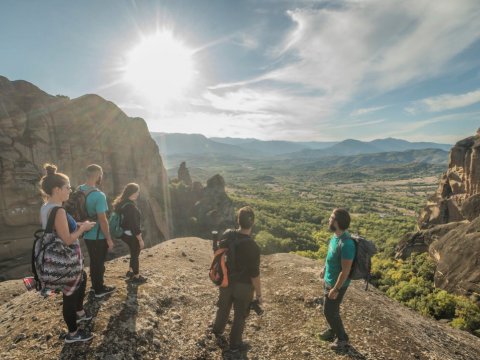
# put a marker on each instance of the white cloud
(449, 101)
(348, 51)
(364, 111)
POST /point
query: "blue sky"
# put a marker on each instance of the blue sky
(292, 70)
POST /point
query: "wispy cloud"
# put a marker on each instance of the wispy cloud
(346, 50)
(445, 102)
(364, 111)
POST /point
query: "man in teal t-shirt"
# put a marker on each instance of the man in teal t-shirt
(340, 256)
(98, 239)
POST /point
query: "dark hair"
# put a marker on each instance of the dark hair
(342, 217)
(93, 169)
(127, 191)
(245, 217)
(52, 179)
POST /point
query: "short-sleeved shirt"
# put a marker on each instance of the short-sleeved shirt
(96, 204)
(333, 262)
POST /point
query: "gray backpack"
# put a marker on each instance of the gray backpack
(362, 263)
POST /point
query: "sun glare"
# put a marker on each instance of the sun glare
(160, 68)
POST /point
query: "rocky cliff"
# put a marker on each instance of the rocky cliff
(36, 127)
(449, 225)
(167, 317)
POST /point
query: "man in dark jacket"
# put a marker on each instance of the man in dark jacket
(243, 282)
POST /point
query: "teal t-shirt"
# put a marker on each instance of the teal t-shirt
(333, 264)
(96, 204)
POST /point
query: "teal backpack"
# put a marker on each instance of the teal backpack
(115, 222)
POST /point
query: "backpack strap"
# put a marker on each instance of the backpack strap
(51, 219)
(87, 193)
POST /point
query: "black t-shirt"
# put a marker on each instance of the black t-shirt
(247, 256)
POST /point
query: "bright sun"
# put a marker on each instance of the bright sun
(160, 68)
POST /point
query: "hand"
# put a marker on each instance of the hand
(86, 225)
(259, 299)
(109, 244)
(332, 294)
(142, 244)
(322, 273)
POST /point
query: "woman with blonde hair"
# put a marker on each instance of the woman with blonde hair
(56, 190)
(125, 205)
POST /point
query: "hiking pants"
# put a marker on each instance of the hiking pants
(97, 251)
(73, 303)
(134, 247)
(331, 310)
(240, 295)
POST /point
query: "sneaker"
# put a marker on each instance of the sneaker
(129, 274)
(327, 335)
(138, 280)
(85, 317)
(340, 345)
(105, 291)
(80, 336)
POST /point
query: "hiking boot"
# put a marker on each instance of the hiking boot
(340, 345)
(85, 317)
(129, 274)
(327, 335)
(80, 336)
(105, 291)
(138, 280)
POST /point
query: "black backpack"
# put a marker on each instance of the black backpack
(76, 205)
(362, 263)
(223, 269)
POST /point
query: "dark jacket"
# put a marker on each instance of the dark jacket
(131, 218)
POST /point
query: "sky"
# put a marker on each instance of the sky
(271, 69)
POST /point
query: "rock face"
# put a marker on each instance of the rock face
(36, 127)
(458, 185)
(197, 210)
(450, 223)
(167, 318)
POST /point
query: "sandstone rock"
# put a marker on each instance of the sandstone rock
(461, 181)
(471, 207)
(36, 127)
(184, 174)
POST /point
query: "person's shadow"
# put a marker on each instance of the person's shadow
(121, 329)
(352, 353)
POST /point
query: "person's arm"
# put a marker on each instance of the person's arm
(61, 228)
(103, 221)
(254, 271)
(258, 288)
(101, 208)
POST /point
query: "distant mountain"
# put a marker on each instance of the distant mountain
(217, 148)
(352, 147)
(391, 144)
(424, 156)
(196, 144)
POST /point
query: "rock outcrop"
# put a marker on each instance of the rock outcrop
(458, 185)
(449, 226)
(168, 317)
(36, 127)
(197, 210)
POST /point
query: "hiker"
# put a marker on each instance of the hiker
(242, 282)
(339, 260)
(125, 205)
(98, 239)
(56, 189)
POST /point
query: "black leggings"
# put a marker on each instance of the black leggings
(134, 247)
(73, 303)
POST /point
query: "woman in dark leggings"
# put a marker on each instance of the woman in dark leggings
(56, 190)
(125, 205)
